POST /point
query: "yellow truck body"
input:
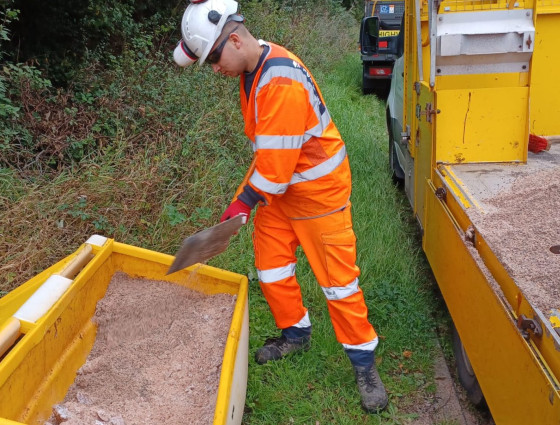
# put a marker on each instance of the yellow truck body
(478, 77)
(37, 371)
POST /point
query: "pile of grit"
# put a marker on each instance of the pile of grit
(156, 359)
(522, 227)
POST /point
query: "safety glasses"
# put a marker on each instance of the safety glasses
(215, 55)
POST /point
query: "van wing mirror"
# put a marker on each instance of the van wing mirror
(369, 35)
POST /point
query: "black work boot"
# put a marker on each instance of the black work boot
(276, 348)
(372, 391)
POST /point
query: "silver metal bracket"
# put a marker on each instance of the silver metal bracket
(481, 42)
(405, 135)
(427, 112)
(441, 194)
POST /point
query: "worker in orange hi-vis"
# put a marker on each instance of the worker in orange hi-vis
(300, 180)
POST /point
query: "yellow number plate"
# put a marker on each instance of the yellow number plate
(388, 33)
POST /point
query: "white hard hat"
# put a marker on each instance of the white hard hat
(201, 26)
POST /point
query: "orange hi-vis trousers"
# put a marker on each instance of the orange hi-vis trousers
(330, 246)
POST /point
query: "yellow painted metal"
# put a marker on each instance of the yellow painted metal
(545, 85)
(518, 389)
(424, 148)
(410, 72)
(41, 366)
(458, 188)
(545, 345)
(8, 422)
(481, 81)
(482, 125)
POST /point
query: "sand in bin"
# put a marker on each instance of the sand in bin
(156, 359)
(521, 226)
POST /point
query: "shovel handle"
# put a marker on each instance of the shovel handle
(246, 178)
(77, 263)
(9, 333)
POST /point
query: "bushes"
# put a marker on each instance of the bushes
(129, 89)
(134, 147)
(60, 37)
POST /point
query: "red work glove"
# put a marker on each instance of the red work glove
(237, 207)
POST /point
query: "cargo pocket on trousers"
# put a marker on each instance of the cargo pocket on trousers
(340, 257)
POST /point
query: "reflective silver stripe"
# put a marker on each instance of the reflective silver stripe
(279, 273)
(317, 131)
(366, 346)
(322, 169)
(340, 292)
(278, 142)
(303, 323)
(296, 73)
(266, 185)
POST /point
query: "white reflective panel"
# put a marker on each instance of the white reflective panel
(366, 346)
(340, 292)
(279, 273)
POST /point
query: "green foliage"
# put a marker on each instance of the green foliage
(7, 15)
(60, 37)
(16, 81)
(173, 215)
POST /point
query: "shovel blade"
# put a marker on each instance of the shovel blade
(206, 244)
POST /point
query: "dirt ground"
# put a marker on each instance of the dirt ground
(449, 404)
(156, 359)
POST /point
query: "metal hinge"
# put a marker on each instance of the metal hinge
(427, 112)
(525, 325)
(441, 194)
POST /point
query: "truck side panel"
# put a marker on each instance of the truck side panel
(518, 388)
(545, 101)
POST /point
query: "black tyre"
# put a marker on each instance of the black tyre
(367, 85)
(467, 378)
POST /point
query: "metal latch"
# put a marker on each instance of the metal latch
(441, 194)
(525, 325)
(428, 112)
(405, 135)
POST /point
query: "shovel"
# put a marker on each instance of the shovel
(212, 241)
(206, 244)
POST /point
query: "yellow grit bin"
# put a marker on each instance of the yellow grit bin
(46, 331)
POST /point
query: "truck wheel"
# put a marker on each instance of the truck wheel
(367, 87)
(467, 378)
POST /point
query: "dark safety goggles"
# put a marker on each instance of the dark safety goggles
(215, 55)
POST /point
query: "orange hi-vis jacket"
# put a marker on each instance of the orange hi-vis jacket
(301, 160)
